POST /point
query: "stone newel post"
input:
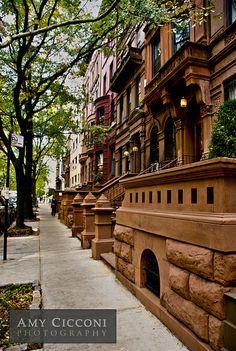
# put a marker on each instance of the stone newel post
(103, 240)
(88, 233)
(78, 220)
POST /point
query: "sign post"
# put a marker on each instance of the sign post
(18, 141)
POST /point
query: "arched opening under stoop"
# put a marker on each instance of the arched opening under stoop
(150, 272)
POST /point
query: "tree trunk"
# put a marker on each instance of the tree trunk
(20, 194)
(28, 172)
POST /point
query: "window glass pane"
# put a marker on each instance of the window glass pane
(181, 34)
(230, 90)
(156, 55)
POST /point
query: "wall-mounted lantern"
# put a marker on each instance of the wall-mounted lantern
(183, 102)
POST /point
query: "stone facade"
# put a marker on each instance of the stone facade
(123, 248)
(195, 292)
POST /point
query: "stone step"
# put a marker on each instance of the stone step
(109, 258)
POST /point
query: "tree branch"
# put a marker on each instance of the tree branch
(58, 25)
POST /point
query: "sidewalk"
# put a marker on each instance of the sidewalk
(71, 279)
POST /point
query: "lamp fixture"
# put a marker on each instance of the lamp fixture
(126, 153)
(183, 102)
(135, 148)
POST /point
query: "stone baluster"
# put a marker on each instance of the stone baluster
(78, 220)
(103, 240)
(89, 230)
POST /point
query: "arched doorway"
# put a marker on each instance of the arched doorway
(170, 143)
(150, 272)
(154, 146)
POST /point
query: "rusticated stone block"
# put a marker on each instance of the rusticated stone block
(187, 312)
(215, 333)
(225, 268)
(126, 252)
(178, 280)
(117, 247)
(123, 250)
(124, 234)
(193, 258)
(208, 295)
(127, 269)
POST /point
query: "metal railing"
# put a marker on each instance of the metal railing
(159, 166)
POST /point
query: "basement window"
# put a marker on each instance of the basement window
(151, 272)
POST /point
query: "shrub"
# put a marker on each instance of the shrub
(223, 139)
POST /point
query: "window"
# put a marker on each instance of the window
(111, 70)
(138, 37)
(169, 139)
(231, 11)
(121, 108)
(154, 146)
(156, 55)
(151, 272)
(159, 196)
(137, 91)
(181, 34)
(128, 94)
(100, 115)
(104, 84)
(230, 89)
(120, 161)
(112, 172)
(99, 157)
(112, 110)
(136, 197)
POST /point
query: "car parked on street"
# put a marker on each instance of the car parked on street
(11, 212)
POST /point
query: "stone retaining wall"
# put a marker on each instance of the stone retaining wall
(123, 249)
(198, 280)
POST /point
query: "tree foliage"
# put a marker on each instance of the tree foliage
(223, 140)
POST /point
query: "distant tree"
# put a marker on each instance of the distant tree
(223, 140)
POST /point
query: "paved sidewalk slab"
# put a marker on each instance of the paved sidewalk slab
(22, 264)
(70, 278)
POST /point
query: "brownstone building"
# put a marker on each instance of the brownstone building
(175, 231)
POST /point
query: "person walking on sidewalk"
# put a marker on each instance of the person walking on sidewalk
(53, 206)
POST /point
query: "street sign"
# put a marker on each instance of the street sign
(17, 140)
